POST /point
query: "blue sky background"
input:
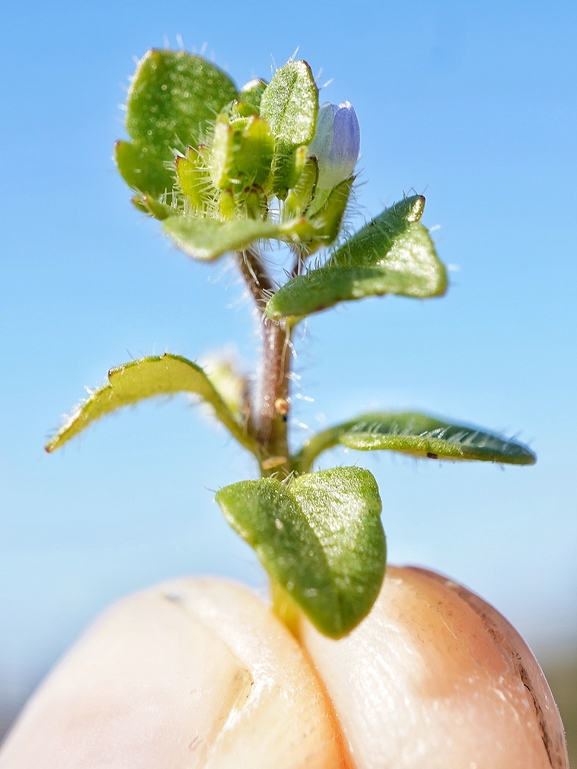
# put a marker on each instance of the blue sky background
(472, 104)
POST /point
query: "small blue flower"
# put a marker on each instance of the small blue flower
(336, 144)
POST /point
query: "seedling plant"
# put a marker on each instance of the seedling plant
(259, 172)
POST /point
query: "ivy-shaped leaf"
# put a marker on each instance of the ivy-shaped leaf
(392, 254)
(156, 375)
(290, 104)
(320, 538)
(419, 435)
(171, 101)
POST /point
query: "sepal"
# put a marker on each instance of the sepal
(290, 105)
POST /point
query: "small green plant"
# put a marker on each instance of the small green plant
(226, 171)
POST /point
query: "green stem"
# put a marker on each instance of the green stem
(303, 460)
(268, 422)
(285, 609)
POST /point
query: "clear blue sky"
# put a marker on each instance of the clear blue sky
(473, 104)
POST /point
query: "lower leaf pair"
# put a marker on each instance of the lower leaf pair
(318, 534)
(319, 537)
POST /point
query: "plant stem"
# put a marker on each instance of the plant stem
(268, 419)
(285, 608)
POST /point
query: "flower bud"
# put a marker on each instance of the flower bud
(336, 143)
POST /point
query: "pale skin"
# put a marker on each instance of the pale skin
(200, 673)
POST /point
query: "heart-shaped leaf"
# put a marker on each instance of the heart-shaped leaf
(157, 375)
(392, 254)
(419, 435)
(320, 538)
(172, 99)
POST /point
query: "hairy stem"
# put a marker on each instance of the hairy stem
(268, 418)
(300, 255)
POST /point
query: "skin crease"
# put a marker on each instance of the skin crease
(198, 673)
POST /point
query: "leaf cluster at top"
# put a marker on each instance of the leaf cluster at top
(205, 157)
(209, 160)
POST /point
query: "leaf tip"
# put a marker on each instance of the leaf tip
(529, 457)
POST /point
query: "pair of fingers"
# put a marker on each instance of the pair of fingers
(199, 673)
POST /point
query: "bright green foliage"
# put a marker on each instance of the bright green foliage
(252, 92)
(327, 220)
(207, 239)
(154, 207)
(146, 378)
(218, 157)
(301, 195)
(321, 228)
(173, 98)
(254, 156)
(194, 181)
(320, 538)
(392, 254)
(225, 143)
(419, 435)
(241, 152)
(290, 104)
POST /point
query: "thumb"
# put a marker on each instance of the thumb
(192, 673)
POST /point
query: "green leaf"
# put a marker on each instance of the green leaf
(320, 538)
(142, 169)
(321, 228)
(392, 254)
(241, 153)
(255, 153)
(299, 198)
(419, 435)
(203, 237)
(194, 181)
(251, 93)
(327, 220)
(171, 101)
(153, 207)
(207, 239)
(290, 104)
(145, 378)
